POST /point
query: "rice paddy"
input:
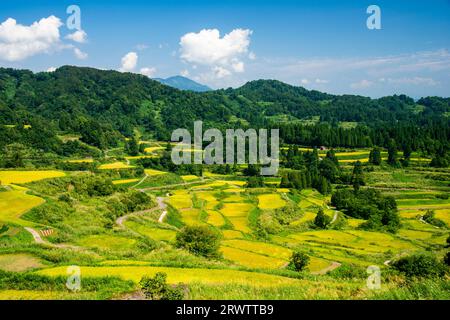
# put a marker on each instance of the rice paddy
(215, 218)
(250, 259)
(270, 201)
(87, 160)
(12, 177)
(125, 181)
(44, 295)
(107, 242)
(183, 275)
(153, 172)
(154, 233)
(188, 178)
(260, 248)
(153, 149)
(14, 203)
(115, 166)
(181, 201)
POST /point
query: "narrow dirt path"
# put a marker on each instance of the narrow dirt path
(37, 237)
(331, 267)
(163, 207)
(334, 217)
(140, 181)
(120, 221)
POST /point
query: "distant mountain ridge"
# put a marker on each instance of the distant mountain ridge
(183, 83)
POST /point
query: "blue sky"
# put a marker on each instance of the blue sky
(322, 45)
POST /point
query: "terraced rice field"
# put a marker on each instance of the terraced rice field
(263, 255)
(354, 223)
(181, 200)
(14, 203)
(140, 157)
(249, 259)
(237, 213)
(188, 178)
(153, 149)
(154, 233)
(260, 248)
(125, 181)
(356, 241)
(12, 177)
(107, 242)
(115, 166)
(306, 217)
(232, 234)
(270, 201)
(444, 215)
(215, 218)
(44, 295)
(87, 160)
(153, 172)
(234, 197)
(183, 275)
(191, 216)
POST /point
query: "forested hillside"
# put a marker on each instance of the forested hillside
(103, 107)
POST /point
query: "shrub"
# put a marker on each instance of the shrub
(65, 198)
(447, 258)
(349, 271)
(199, 240)
(321, 220)
(419, 265)
(379, 211)
(298, 261)
(156, 288)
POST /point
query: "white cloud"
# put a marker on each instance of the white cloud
(184, 73)
(321, 81)
(129, 61)
(304, 81)
(80, 54)
(221, 72)
(416, 73)
(414, 81)
(78, 36)
(252, 56)
(381, 67)
(221, 55)
(238, 66)
(149, 72)
(18, 42)
(363, 84)
(142, 46)
(51, 69)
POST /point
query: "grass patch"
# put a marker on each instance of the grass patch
(19, 262)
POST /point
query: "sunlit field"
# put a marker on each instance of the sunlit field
(248, 263)
(11, 177)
